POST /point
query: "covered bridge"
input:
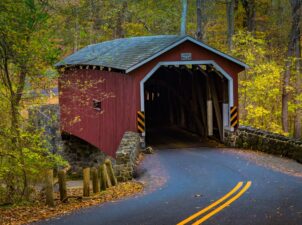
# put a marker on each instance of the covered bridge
(145, 84)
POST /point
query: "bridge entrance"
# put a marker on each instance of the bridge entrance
(185, 104)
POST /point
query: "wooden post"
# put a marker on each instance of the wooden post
(111, 172)
(101, 176)
(195, 103)
(202, 107)
(210, 117)
(49, 188)
(182, 121)
(217, 109)
(204, 95)
(107, 178)
(104, 176)
(62, 185)
(95, 180)
(86, 182)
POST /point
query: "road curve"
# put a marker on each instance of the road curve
(182, 182)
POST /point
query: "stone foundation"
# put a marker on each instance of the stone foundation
(81, 154)
(251, 138)
(126, 156)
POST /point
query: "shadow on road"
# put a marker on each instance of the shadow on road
(177, 138)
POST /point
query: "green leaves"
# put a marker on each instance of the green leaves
(26, 51)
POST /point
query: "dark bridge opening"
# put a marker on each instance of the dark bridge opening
(176, 101)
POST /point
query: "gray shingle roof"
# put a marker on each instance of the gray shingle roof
(130, 53)
(120, 53)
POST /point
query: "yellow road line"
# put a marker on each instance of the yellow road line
(206, 217)
(212, 205)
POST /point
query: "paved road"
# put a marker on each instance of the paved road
(185, 181)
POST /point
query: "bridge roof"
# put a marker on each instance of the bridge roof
(130, 53)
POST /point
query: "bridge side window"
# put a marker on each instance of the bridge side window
(97, 104)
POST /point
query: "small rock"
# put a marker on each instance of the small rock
(148, 150)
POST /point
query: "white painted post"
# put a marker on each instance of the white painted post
(225, 115)
(210, 117)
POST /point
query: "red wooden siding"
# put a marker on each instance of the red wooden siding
(198, 53)
(105, 129)
(78, 117)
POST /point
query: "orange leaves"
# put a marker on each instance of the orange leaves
(38, 211)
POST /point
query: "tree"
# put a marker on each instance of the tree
(184, 17)
(250, 14)
(259, 87)
(120, 31)
(292, 51)
(230, 7)
(24, 52)
(201, 19)
(296, 7)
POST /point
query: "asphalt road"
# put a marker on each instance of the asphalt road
(181, 182)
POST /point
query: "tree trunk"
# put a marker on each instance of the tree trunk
(201, 19)
(184, 17)
(298, 116)
(294, 38)
(250, 13)
(298, 86)
(285, 97)
(76, 31)
(120, 31)
(15, 98)
(230, 6)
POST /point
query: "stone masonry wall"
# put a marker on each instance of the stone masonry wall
(251, 138)
(46, 117)
(81, 154)
(126, 156)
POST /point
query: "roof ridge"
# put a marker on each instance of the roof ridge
(136, 37)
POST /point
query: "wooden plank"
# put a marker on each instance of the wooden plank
(217, 109)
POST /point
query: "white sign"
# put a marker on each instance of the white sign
(186, 56)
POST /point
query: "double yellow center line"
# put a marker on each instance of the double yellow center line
(221, 207)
